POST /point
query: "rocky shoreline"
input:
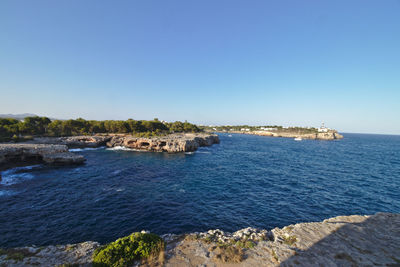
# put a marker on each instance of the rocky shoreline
(12, 155)
(330, 135)
(54, 150)
(355, 240)
(172, 143)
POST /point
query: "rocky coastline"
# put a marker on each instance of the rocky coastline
(173, 143)
(55, 150)
(355, 240)
(330, 135)
(12, 155)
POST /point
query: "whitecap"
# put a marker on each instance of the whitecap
(14, 176)
(75, 149)
(122, 148)
(85, 149)
(116, 172)
(189, 153)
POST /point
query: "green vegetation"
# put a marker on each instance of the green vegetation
(15, 130)
(126, 250)
(245, 244)
(289, 240)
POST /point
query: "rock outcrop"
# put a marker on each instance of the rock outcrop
(171, 143)
(341, 241)
(25, 154)
(73, 141)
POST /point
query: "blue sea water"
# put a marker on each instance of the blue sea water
(244, 181)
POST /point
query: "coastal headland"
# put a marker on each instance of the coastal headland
(356, 240)
(54, 150)
(321, 133)
(329, 135)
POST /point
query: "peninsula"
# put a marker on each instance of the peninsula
(40, 140)
(321, 133)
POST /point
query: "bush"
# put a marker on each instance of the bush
(126, 250)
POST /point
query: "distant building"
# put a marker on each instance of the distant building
(268, 129)
(245, 130)
(323, 129)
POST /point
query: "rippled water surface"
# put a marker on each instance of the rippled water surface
(244, 181)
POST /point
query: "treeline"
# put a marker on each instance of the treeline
(41, 126)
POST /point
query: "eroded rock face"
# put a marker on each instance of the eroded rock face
(171, 143)
(73, 141)
(22, 154)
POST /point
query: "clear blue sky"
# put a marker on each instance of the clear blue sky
(212, 62)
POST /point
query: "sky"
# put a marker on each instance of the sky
(258, 62)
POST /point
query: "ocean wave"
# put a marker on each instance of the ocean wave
(10, 178)
(85, 149)
(17, 175)
(5, 193)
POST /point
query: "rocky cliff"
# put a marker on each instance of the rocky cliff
(73, 141)
(172, 143)
(22, 154)
(341, 241)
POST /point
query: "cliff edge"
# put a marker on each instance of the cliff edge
(340, 241)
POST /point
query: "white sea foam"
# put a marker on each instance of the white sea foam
(122, 148)
(85, 149)
(189, 153)
(13, 176)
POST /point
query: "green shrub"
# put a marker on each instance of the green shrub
(126, 250)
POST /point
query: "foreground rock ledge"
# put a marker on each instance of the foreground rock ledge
(341, 241)
(22, 154)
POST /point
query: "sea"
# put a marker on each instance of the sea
(245, 181)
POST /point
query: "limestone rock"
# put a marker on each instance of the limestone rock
(341, 241)
(172, 143)
(24, 154)
(74, 141)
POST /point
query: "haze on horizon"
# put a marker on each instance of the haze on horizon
(209, 62)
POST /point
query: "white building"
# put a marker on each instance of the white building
(323, 129)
